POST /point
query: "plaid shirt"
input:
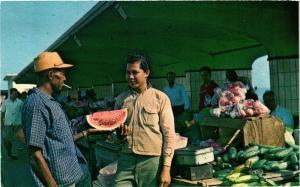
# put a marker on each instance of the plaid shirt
(48, 128)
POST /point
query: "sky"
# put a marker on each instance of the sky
(261, 76)
(30, 27)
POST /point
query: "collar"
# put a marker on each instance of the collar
(277, 108)
(42, 94)
(12, 100)
(132, 91)
(175, 84)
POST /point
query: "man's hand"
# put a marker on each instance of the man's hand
(20, 135)
(40, 167)
(165, 177)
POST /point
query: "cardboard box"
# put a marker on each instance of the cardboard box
(261, 130)
(191, 156)
(204, 171)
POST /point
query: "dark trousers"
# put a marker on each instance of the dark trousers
(177, 110)
(10, 141)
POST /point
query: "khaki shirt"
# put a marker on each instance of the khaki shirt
(150, 122)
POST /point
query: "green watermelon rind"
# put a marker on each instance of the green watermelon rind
(117, 124)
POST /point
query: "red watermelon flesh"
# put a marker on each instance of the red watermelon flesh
(107, 120)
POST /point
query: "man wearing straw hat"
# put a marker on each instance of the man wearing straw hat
(54, 158)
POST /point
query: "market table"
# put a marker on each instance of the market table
(179, 181)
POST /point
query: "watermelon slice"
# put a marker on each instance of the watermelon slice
(107, 120)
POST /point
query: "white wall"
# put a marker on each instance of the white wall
(284, 75)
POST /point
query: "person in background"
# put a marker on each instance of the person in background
(11, 113)
(233, 77)
(29, 92)
(206, 89)
(79, 95)
(279, 111)
(177, 95)
(148, 133)
(23, 95)
(54, 158)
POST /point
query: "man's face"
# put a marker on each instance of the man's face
(13, 95)
(135, 76)
(171, 78)
(230, 76)
(57, 79)
(270, 102)
(205, 76)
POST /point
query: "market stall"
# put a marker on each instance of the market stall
(230, 148)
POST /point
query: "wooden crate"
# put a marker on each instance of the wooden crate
(264, 129)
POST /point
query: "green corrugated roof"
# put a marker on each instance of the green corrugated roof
(180, 36)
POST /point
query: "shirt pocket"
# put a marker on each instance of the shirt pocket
(150, 116)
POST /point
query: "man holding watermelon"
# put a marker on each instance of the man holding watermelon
(148, 132)
(54, 158)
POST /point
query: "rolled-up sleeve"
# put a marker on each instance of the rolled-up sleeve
(3, 106)
(168, 131)
(35, 127)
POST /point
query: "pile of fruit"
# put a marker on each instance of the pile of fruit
(247, 167)
(232, 102)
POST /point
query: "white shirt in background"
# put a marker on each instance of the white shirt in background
(13, 111)
(177, 95)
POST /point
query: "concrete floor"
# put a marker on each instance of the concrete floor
(15, 173)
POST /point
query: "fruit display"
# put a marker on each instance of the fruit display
(232, 102)
(247, 167)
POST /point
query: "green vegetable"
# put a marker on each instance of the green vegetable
(238, 169)
(272, 183)
(225, 157)
(259, 164)
(286, 158)
(296, 147)
(234, 176)
(269, 156)
(278, 166)
(239, 154)
(295, 167)
(253, 148)
(265, 146)
(227, 183)
(249, 154)
(269, 162)
(232, 153)
(267, 168)
(247, 178)
(293, 159)
(225, 165)
(291, 184)
(283, 153)
(276, 149)
(222, 173)
(251, 161)
(263, 150)
(219, 159)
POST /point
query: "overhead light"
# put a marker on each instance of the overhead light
(121, 11)
(77, 40)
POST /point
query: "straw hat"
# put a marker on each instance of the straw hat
(49, 60)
